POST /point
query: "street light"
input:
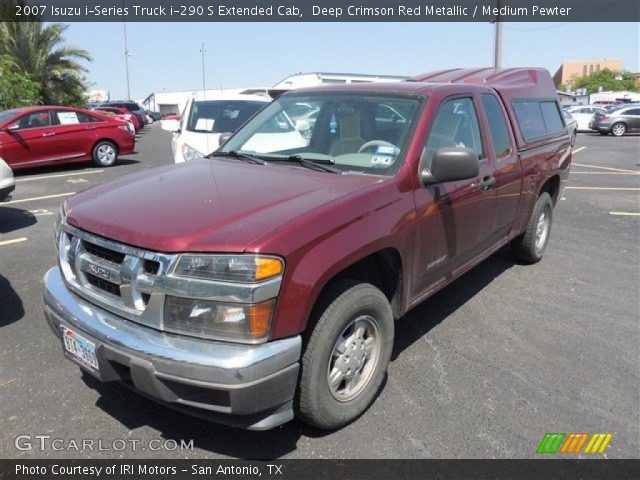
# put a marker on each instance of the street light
(127, 54)
(202, 52)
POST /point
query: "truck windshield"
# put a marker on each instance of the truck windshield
(357, 133)
(221, 116)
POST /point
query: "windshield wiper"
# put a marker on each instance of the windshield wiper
(324, 165)
(239, 156)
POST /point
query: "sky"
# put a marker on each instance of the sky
(166, 56)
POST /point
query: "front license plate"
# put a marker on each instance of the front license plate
(82, 350)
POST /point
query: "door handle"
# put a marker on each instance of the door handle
(487, 183)
(48, 134)
(89, 128)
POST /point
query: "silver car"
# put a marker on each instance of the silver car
(572, 126)
(7, 183)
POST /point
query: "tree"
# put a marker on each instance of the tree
(40, 51)
(16, 88)
(609, 80)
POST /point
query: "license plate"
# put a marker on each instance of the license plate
(82, 350)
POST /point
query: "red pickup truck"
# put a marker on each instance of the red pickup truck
(263, 281)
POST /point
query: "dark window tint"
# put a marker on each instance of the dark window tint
(86, 118)
(34, 120)
(220, 116)
(633, 111)
(455, 125)
(551, 116)
(497, 125)
(537, 118)
(529, 119)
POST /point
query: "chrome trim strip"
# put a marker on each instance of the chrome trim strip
(170, 354)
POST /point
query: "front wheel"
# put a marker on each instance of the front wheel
(346, 357)
(619, 129)
(530, 246)
(105, 153)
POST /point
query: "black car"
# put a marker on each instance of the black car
(624, 120)
(133, 107)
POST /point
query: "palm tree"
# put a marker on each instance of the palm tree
(40, 52)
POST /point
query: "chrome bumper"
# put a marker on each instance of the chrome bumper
(249, 386)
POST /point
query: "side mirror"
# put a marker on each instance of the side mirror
(448, 165)
(12, 127)
(222, 139)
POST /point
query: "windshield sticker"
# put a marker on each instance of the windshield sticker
(205, 124)
(386, 150)
(381, 161)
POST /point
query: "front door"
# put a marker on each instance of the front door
(28, 143)
(455, 220)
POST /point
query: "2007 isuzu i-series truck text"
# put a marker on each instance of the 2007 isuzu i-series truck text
(263, 281)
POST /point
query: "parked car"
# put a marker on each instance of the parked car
(572, 126)
(198, 132)
(38, 136)
(618, 122)
(124, 113)
(7, 183)
(171, 116)
(157, 116)
(583, 115)
(266, 279)
(135, 108)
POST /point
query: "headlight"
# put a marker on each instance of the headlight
(206, 318)
(190, 153)
(60, 218)
(234, 268)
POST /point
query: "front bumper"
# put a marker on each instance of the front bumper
(247, 386)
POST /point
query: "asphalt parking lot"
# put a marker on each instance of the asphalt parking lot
(483, 369)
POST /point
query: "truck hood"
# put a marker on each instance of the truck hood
(209, 205)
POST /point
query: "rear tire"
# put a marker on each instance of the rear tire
(618, 129)
(530, 246)
(105, 153)
(346, 356)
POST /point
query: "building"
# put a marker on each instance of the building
(174, 102)
(619, 96)
(570, 71)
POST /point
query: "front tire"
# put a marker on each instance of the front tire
(530, 246)
(346, 356)
(618, 129)
(105, 153)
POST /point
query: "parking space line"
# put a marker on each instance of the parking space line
(633, 189)
(579, 149)
(605, 168)
(626, 214)
(58, 175)
(12, 241)
(32, 199)
(606, 173)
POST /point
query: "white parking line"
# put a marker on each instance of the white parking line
(12, 241)
(579, 149)
(606, 173)
(605, 168)
(38, 198)
(626, 214)
(58, 175)
(603, 188)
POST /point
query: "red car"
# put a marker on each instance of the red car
(37, 136)
(124, 113)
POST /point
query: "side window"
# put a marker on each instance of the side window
(86, 118)
(551, 116)
(34, 120)
(497, 125)
(64, 117)
(529, 119)
(633, 111)
(455, 125)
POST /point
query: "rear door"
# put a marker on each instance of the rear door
(29, 143)
(507, 166)
(632, 117)
(74, 132)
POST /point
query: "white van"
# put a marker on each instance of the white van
(198, 131)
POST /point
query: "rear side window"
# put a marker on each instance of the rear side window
(633, 111)
(497, 125)
(537, 118)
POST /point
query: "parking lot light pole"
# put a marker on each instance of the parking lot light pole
(126, 59)
(202, 52)
(497, 46)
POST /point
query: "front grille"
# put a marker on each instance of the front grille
(102, 284)
(115, 276)
(104, 253)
